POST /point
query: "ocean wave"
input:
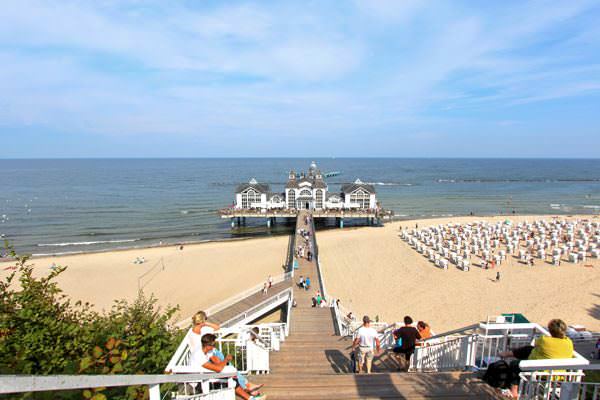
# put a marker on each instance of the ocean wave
(86, 243)
(64, 253)
(388, 184)
(593, 207)
(533, 180)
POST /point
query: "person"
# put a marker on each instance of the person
(557, 345)
(270, 281)
(409, 336)
(301, 282)
(367, 338)
(424, 331)
(498, 276)
(200, 327)
(265, 288)
(208, 361)
(307, 283)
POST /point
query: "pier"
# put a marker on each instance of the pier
(314, 360)
(369, 216)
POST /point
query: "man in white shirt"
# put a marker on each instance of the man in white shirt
(366, 339)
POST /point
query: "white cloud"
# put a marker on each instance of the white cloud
(137, 68)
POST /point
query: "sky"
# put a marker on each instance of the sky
(387, 78)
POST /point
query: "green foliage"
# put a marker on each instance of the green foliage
(43, 332)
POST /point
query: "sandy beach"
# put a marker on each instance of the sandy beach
(195, 278)
(370, 269)
(374, 272)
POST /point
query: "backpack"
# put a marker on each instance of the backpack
(498, 375)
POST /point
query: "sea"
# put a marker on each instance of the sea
(59, 206)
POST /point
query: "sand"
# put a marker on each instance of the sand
(375, 272)
(195, 278)
(370, 269)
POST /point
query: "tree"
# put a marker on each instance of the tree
(43, 332)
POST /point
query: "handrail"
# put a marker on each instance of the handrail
(236, 298)
(246, 293)
(452, 332)
(269, 300)
(38, 383)
(557, 363)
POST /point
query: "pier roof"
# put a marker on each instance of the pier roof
(259, 187)
(351, 187)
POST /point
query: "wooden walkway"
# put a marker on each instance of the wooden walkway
(247, 303)
(314, 363)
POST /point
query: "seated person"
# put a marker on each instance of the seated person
(200, 328)
(558, 345)
(211, 362)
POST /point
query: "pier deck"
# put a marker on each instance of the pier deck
(287, 213)
(314, 363)
(247, 303)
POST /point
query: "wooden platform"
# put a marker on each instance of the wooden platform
(285, 213)
(314, 363)
(247, 303)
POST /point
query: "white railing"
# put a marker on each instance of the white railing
(248, 356)
(209, 386)
(251, 313)
(237, 298)
(450, 354)
(459, 350)
(560, 381)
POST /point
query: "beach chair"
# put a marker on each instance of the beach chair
(573, 257)
(556, 260)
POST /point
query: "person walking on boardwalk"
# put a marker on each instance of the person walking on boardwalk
(408, 335)
(270, 281)
(367, 339)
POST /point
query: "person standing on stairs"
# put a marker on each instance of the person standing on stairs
(409, 335)
(367, 339)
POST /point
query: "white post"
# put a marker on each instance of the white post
(154, 391)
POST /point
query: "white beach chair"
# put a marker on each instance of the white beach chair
(556, 260)
(573, 257)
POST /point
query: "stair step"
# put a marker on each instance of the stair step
(351, 386)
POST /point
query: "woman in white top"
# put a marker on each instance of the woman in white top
(200, 328)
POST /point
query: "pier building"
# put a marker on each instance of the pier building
(306, 191)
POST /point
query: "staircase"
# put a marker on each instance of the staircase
(314, 363)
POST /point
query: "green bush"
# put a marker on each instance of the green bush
(43, 332)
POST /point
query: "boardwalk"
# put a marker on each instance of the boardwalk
(247, 303)
(314, 363)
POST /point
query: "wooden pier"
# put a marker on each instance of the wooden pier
(314, 362)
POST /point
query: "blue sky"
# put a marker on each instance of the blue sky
(390, 78)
